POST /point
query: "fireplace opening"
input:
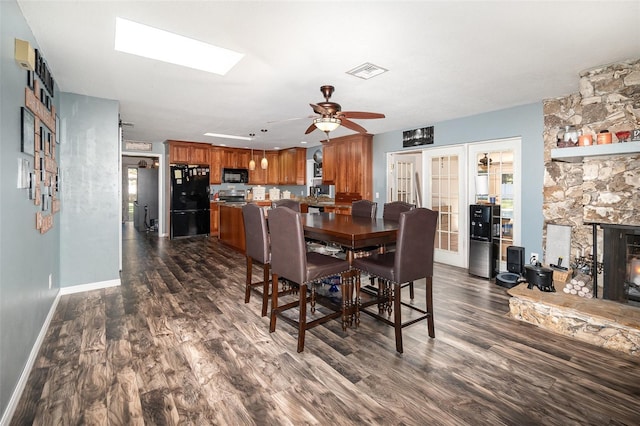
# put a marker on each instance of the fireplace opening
(621, 263)
(632, 283)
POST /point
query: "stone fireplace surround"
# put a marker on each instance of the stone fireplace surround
(603, 190)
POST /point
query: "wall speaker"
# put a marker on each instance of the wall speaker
(515, 259)
(25, 55)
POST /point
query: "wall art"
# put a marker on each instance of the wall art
(416, 137)
(28, 131)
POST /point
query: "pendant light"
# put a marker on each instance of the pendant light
(264, 163)
(252, 163)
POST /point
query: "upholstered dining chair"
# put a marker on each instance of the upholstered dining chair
(391, 211)
(364, 208)
(287, 202)
(412, 260)
(290, 260)
(256, 236)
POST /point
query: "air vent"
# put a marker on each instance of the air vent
(367, 71)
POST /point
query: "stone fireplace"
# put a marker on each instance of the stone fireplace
(605, 189)
(598, 196)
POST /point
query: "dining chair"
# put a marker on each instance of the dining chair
(412, 260)
(391, 211)
(287, 202)
(257, 248)
(290, 260)
(364, 208)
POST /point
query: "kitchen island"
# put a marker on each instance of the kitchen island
(231, 227)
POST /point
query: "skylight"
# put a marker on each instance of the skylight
(161, 45)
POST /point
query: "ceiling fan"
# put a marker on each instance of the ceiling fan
(484, 162)
(332, 116)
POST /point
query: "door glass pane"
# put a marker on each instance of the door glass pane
(445, 200)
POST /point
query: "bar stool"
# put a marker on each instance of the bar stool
(257, 249)
(364, 208)
(287, 202)
(290, 260)
(411, 261)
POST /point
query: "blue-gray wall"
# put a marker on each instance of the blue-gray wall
(82, 248)
(26, 257)
(90, 194)
(524, 121)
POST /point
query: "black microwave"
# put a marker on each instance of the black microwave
(235, 175)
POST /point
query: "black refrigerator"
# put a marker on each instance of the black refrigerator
(189, 201)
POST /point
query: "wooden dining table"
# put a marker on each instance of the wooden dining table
(353, 233)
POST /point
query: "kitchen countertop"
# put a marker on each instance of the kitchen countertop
(311, 202)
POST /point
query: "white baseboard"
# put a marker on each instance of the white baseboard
(22, 382)
(88, 287)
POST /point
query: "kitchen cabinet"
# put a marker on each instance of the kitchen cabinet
(292, 164)
(273, 170)
(214, 218)
(347, 163)
(235, 158)
(329, 164)
(257, 176)
(231, 229)
(188, 153)
(215, 165)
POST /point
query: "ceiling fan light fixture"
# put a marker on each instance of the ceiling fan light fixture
(327, 124)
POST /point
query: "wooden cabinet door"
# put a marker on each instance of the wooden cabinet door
(242, 158)
(344, 167)
(199, 154)
(179, 152)
(329, 163)
(215, 165)
(273, 169)
(286, 161)
(300, 166)
(214, 217)
(229, 158)
(257, 176)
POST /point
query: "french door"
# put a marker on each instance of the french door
(445, 175)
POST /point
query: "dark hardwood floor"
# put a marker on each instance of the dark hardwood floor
(175, 344)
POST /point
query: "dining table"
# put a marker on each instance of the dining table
(353, 234)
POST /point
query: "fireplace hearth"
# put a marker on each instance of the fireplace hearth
(621, 252)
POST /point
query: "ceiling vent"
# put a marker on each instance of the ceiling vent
(367, 71)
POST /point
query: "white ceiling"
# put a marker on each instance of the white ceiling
(445, 59)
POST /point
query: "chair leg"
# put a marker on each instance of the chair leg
(397, 317)
(274, 302)
(411, 293)
(247, 290)
(358, 300)
(302, 321)
(430, 323)
(265, 289)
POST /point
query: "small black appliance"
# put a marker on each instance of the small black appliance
(539, 276)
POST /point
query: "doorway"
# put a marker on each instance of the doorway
(140, 190)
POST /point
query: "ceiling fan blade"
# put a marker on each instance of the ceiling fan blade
(319, 110)
(360, 114)
(353, 126)
(310, 129)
